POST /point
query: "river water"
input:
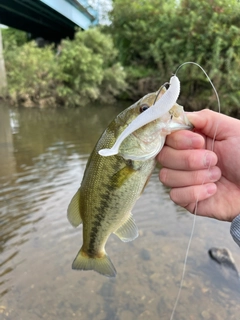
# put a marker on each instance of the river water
(42, 159)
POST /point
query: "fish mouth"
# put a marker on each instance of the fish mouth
(152, 143)
(180, 123)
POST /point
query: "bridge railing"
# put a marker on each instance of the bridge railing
(84, 4)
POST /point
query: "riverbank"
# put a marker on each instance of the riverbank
(134, 55)
(75, 73)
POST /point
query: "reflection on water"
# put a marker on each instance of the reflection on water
(7, 161)
(42, 158)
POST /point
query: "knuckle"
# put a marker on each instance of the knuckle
(191, 160)
(196, 177)
(194, 194)
(188, 161)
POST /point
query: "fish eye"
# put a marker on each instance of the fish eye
(143, 107)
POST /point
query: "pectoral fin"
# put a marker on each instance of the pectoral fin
(122, 176)
(73, 212)
(128, 231)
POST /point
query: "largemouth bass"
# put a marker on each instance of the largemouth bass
(111, 185)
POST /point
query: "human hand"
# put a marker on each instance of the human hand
(202, 172)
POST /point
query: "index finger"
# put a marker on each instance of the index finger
(213, 124)
(184, 139)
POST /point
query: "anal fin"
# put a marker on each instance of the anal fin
(73, 211)
(128, 230)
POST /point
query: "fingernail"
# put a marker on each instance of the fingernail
(213, 173)
(207, 160)
(211, 188)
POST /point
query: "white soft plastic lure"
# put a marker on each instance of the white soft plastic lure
(161, 107)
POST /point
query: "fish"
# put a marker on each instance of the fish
(111, 185)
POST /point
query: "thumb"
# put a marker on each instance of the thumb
(211, 123)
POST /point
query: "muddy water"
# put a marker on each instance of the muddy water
(42, 158)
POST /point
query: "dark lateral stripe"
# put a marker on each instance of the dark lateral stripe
(105, 196)
(98, 220)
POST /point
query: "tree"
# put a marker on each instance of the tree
(89, 69)
(155, 37)
(13, 37)
(83, 70)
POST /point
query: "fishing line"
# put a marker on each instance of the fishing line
(196, 206)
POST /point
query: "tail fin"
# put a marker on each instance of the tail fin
(101, 265)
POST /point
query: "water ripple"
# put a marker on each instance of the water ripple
(41, 166)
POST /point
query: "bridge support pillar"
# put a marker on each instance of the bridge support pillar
(3, 78)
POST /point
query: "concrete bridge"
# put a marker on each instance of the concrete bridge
(48, 19)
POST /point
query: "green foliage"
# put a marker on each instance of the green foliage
(136, 24)
(84, 70)
(151, 39)
(12, 38)
(89, 69)
(31, 72)
(160, 35)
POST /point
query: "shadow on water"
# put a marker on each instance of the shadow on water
(43, 154)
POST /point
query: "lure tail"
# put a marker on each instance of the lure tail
(161, 107)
